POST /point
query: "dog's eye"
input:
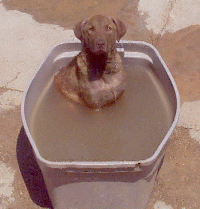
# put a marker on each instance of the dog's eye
(108, 28)
(91, 29)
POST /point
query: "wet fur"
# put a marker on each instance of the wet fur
(96, 75)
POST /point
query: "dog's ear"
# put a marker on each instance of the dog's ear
(121, 28)
(78, 29)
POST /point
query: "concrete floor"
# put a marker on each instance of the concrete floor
(29, 29)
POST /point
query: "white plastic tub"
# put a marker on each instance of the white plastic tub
(100, 184)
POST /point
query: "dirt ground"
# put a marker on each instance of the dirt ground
(178, 182)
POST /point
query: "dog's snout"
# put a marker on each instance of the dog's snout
(99, 46)
(100, 42)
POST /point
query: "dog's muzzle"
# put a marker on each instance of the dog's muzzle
(99, 50)
(100, 47)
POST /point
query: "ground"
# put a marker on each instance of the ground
(29, 29)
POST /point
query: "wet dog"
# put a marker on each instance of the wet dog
(96, 75)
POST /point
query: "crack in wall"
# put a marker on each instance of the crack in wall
(166, 15)
(12, 89)
(10, 97)
(157, 16)
(168, 12)
(9, 82)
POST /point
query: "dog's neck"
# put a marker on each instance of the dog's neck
(97, 64)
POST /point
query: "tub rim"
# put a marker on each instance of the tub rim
(103, 164)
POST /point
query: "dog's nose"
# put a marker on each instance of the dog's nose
(100, 43)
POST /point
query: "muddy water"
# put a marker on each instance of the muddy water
(130, 129)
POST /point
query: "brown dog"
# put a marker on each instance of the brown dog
(95, 75)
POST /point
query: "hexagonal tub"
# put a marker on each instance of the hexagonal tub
(120, 172)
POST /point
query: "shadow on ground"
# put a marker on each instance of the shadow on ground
(31, 172)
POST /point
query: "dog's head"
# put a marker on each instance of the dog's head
(99, 34)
